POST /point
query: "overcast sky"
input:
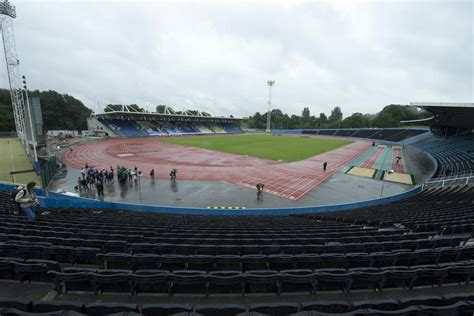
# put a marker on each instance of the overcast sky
(217, 56)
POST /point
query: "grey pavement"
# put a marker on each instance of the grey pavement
(340, 188)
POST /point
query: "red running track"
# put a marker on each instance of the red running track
(288, 180)
(370, 161)
(397, 167)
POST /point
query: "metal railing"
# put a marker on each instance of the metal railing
(462, 179)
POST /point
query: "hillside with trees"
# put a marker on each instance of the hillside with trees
(60, 111)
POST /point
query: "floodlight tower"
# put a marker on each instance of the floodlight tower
(270, 83)
(7, 14)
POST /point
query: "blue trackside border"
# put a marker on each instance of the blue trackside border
(57, 200)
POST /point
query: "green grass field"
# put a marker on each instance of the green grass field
(13, 158)
(285, 148)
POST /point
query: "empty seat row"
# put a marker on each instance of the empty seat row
(259, 281)
(404, 257)
(457, 302)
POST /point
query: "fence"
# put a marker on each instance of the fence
(7, 134)
(48, 171)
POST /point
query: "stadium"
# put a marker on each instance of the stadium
(186, 213)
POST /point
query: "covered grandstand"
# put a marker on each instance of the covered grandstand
(139, 124)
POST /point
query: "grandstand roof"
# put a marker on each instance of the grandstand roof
(448, 114)
(162, 116)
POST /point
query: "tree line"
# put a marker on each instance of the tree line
(60, 111)
(390, 116)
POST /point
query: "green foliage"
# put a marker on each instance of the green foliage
(60, 111)
(285, 148)
(335, 119)
(357, 120)
(160, 108)
(390, 116)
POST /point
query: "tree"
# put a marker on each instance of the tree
(356, 120)
(392, 114)
(323, 120)
(335, 118)
(305, 118)
(160, 108)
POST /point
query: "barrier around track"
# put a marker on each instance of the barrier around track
(57, 200)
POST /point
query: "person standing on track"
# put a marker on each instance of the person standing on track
(152, 173)
(325, 165)
(173, 174)
(260, 187)
(100, 189)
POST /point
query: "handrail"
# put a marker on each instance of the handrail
(463, 179)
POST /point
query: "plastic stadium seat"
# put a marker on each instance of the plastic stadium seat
(383, 304)
(199, 262)
(113, 260)
(85, 255)
(102, 309)
(432, 275)
(71, 281)
(58, 253)
(407, 311)
(274, 309)
(211, 250)
(140, 248)
(149, 281)
(115, 246)
(52, 306)
(18, 304)
(110, 281)
(356, 260)
(333, 279)
(298, 280)
(187, 281)
(433, 300)
(225, 282)
(228, 262)
(308, 261)
(144, 261)
(262, 281)
(328, 306)
(27, 272)
(165, 309)
(369, 279)
(401, 276)
(220, 309)
(172, 262)
(254, 262)
(383, 259)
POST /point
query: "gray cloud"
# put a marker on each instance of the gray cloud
(217, 56)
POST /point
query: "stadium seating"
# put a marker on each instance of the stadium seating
(458, 304)
(388, 134)
(455, 154)
(132, 128)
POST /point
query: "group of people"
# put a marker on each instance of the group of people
(92, 178)
(124, 175)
